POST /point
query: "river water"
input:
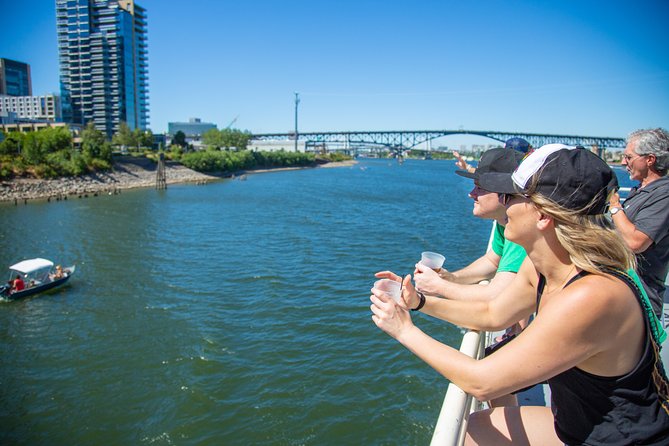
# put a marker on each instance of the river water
(231, 313)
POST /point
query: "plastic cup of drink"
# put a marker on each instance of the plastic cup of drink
(432, 260)
(389, 287)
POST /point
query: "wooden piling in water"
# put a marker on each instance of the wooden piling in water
(161, 181)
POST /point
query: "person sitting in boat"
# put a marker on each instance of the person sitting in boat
(58, 273)
(18, 284)
(595, 337)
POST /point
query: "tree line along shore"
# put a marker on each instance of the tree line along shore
(127, 172)
(46, 164)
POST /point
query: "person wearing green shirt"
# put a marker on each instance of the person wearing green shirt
(501, 263)
(486, 277)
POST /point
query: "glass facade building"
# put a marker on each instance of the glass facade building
(102, 47)
(193, 129)
(15, 78)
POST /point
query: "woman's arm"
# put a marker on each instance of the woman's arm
(512, 303)
(595, 324)
(429, 282)
(483, 268)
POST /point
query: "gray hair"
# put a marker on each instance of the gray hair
(652, 142)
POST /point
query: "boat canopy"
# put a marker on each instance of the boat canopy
(28, 266)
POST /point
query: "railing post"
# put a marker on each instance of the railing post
(452, 422)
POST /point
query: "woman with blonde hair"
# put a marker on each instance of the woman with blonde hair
(594, 337)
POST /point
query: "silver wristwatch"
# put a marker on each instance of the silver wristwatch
(615, 209)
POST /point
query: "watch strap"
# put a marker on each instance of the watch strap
(421, 296)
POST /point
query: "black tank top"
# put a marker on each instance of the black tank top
(602, 410)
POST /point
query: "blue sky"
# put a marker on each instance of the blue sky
(596, 68)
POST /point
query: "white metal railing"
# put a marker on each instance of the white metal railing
(452, 422)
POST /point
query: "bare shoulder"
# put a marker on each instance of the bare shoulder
(602, 288)
(594, 323)
(598, 293)
(597, 303)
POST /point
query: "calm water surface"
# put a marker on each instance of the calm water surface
(232, 313)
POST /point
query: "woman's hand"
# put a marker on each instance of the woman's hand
(409, 296)
(387, 315)
(427, 280)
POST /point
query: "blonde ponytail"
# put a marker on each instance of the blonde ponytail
(593, 245)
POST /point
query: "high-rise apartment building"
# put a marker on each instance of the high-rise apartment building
(41, 108)
(103, 63)
(15, 78)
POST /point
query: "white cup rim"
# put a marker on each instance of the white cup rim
(432, 259)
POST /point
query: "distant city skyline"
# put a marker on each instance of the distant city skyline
(575, 68)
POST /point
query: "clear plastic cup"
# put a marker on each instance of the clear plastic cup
(432, 260)
(389, 287)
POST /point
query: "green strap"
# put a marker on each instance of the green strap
(658, 331)
(630, 276)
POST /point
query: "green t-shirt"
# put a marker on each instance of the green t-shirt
(512, 254)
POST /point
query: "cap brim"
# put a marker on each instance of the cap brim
(466, 174)
(497, 182)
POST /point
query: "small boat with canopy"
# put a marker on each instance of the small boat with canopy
(34, 276)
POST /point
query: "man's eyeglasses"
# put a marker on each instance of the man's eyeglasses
(629, 158)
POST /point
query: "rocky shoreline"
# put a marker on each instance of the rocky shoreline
(127, 173)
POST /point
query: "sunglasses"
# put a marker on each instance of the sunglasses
(506, 198)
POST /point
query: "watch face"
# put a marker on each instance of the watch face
(615, 210)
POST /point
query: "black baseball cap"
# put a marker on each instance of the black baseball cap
(574, 178)
(493, 163)
(518, 144)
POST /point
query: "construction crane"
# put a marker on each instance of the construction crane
(232, 122)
